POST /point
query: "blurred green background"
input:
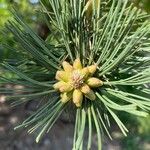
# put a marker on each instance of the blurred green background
(29, 10)
(139, 135)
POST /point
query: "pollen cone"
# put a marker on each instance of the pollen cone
(65, 88)
(65, 97)
(92, 69)
(94, 82)
(77, 64)
(62, 75)
(58, 85)
(77, 97)
(85, 89)
(91, 95)
(85, 72)
(67, 67)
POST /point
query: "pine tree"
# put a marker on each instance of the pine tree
(95, 61)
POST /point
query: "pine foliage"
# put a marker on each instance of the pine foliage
(115, 36)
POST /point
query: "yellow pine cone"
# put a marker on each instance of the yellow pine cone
(62, 76)
(77, 64)
(77, 97)
(78, 104)
(92, 69)
(85, 72)
(58, 85)
(65, 97)
(88, 92)
(85, 89)
(91, 95)
(65, 88)
(74, 82)
(94, 82)
(67, 67)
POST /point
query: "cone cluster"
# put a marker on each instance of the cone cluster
(76, 81)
